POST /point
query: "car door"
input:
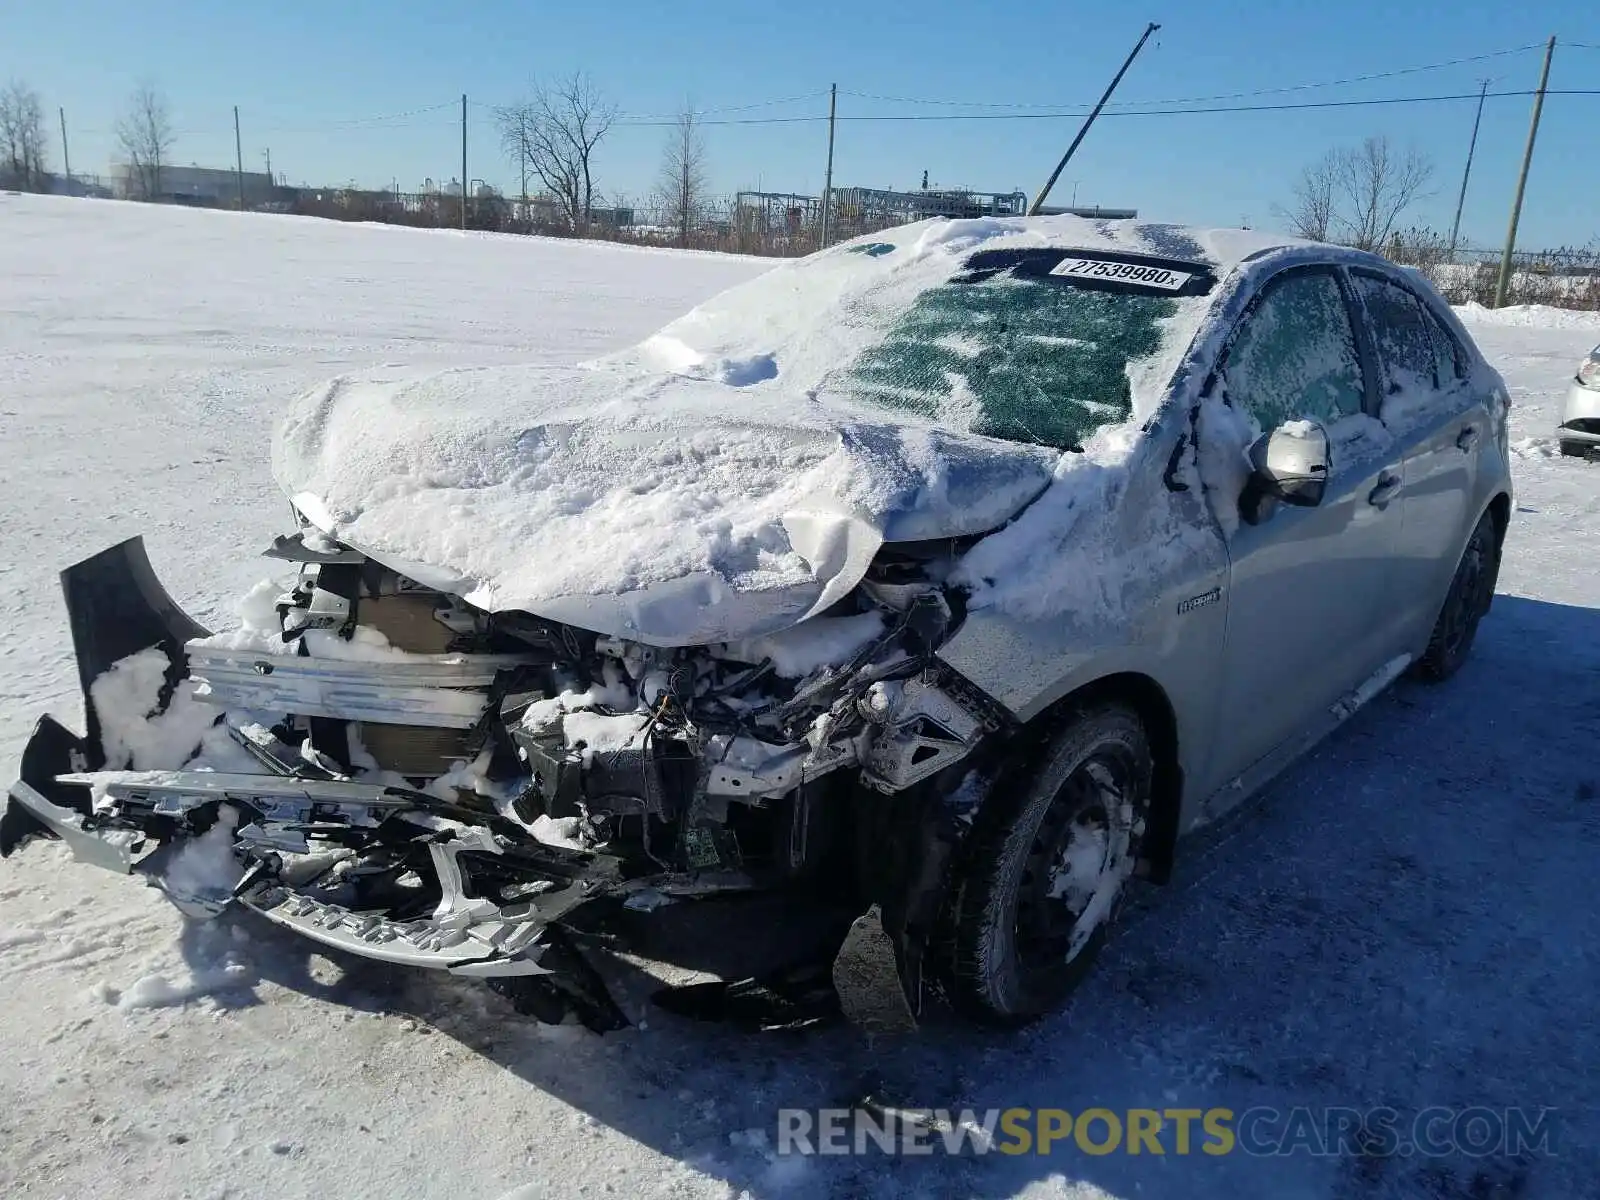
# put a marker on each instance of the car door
(1441, 426)
(1308, 592)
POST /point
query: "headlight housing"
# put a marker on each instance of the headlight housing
(1589, 370)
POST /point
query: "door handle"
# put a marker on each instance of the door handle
(1388, 488)
(1467, 438)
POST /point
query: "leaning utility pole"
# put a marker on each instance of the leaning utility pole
(1504, 282)
(66, 159)
(1038, 203)
(463, 162)
(1455, 229)
(238, 157)
(827, 180)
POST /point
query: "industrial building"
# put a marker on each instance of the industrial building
(205, 187)
(858, 210)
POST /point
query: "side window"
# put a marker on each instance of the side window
(1402, 332)
(1450, 360)
(1294, 354)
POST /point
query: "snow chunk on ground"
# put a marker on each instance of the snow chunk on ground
(1536, 447)
(134, 734)
(157, 991)
(811, 645)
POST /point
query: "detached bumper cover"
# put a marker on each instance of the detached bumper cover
(464, 934)
(113, 849)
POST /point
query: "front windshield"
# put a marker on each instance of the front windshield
(1033, 330)
(1027, 359)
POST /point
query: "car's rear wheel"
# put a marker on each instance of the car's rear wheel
(1464, 605)
(1052, 850)
(1573, 448)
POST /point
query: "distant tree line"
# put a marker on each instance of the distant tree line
(24, 159)
(1356, 195)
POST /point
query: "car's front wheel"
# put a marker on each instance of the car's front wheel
(1573, 448)
(1464, 605)
(1052, 850)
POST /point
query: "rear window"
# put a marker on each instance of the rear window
(1025, 357)
(1402, 330)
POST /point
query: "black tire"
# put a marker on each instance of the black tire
(1575, 449)
(1016, 950)
(1471, 590)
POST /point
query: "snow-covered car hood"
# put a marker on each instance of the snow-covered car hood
(737, 471)
(660, 507)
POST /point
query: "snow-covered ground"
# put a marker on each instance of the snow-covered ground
(1407, 919)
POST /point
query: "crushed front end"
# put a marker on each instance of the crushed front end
(386, 770)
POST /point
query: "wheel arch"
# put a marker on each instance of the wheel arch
(1500, 510)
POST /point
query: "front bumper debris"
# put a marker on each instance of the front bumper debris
(464, 933)
(481, 878)
(485, 896)
(444, 691)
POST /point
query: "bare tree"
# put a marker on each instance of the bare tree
(145, 137)
(683, 174)
(1375, 184)
(1311, 214)
(22, 142)
(554, 134)
(1357, 194)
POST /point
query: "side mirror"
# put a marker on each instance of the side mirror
(1291, 463)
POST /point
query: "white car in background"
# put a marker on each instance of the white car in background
(1580, 419)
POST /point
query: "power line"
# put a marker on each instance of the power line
(1143, 112)
(322, 127)
(627, 118)
(1273, 91)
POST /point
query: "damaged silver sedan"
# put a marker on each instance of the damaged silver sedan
(865, 631)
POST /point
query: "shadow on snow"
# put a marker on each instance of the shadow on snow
(1404, 919)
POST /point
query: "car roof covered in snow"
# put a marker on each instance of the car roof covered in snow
(737, 470)
(811, 315)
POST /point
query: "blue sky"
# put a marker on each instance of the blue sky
(302, 72)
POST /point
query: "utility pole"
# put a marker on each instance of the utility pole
(827, 179)
(1038, 203)
(463, 162)
(66, 159)
(1504, 281)
(271, 182)
(1455, 229)
(238, 156)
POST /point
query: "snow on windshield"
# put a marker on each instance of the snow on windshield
(1027, 360)
(898, 323)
